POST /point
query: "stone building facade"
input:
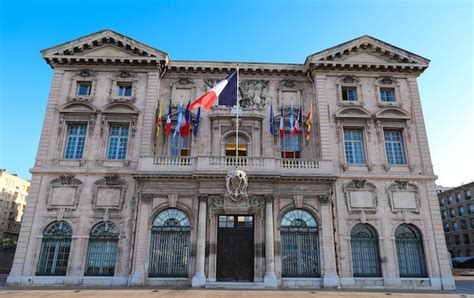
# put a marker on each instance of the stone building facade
(112, 203)
(12, 206)
(457, 213)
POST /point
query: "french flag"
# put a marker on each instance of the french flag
(168, 122)
(225, 90)
(185, 125)
(296, 126)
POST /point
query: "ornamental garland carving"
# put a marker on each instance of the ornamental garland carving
(253, 94)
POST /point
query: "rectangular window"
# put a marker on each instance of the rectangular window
(456, 240)
(180, 146)
(394, 147)
(441, 202)
(450, 199)
(458, 197)
(349, 93)
(454, 225)
(472, 222)
(444, 214)
(354, 146)
(467, 195)
(461, 211)
(446, 227)
(118, 141)
(466, 239)
(290, 146)
(452, 212)
(76, 138)
(84, 88)
(124, 89)
(463, 224)
(387, 94)
(448, 239)
(470, 208)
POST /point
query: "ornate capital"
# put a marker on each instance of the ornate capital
(203, 197)
(216, 201)
(323, 199)
(269, 198)
(147, 197)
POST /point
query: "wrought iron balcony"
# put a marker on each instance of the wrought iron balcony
(222, 164)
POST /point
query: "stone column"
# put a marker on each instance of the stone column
(142, 241)
(269, 279)
(199, 278)
(329, 273)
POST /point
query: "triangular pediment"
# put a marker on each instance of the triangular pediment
(366, 50)
(105, 44)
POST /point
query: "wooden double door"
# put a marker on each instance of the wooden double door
(235, 248)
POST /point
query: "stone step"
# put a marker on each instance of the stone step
(234, 285)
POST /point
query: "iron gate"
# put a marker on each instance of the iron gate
(411, 258)
(365, 252)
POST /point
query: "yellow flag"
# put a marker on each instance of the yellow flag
(159, 119)
(309, 123)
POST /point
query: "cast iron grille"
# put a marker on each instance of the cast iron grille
(169, 244)
(299, 245)
(411, 258)
(365, 252)
(55, 247)
(102, 251)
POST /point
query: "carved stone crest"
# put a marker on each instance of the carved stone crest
(253, 94)
(112, 179)
(255, 201)
(236, 184)
(125, 74)
(216, 201)
(359, 183)
(86, 73)
(66, 179)
(401, 183)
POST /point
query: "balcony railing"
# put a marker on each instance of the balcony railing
(222, 164)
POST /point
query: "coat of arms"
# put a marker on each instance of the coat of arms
(236, 184)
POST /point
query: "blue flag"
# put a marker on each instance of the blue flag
(228, 96)
(180, 119)
(292, 117)
(272, 120)
(196, 123)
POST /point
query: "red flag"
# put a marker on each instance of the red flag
(282, 123)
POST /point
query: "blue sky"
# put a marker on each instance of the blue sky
(262, 31)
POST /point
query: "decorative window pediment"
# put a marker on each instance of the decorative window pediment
(64, 192)
(360, 195)
(119, 113)
(353, 113)
(392, 114)
(109, 192)
(403, 196)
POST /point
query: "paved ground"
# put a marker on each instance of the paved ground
(465, 288)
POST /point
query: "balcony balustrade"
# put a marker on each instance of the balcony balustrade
(222, 164)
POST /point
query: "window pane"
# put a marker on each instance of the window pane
(394, 147)
(354, 146)
(124, 89)
(118, 141)
(75, 142)
(349, 94)
(387, 94)
(84, 88)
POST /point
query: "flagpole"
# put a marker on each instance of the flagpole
(237, 120)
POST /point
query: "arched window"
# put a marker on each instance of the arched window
(102, 251)
(411, 258)
(365, 251)
(55, 249)
(169, 245)
(231, 146)
(299, 245)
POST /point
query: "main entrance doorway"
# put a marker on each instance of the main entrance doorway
(235, 248)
